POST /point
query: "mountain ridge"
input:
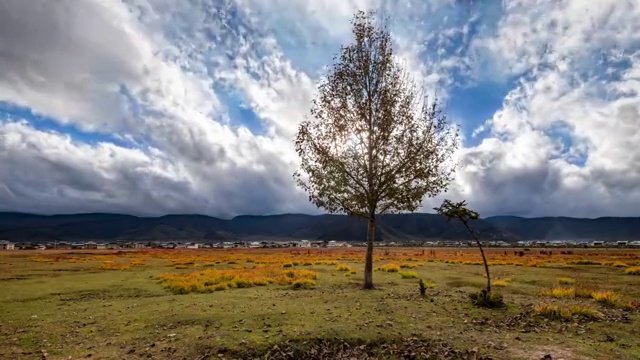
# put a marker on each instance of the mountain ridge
(26, 227)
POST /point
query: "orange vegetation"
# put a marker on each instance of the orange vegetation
(211, 280)
(404, 258)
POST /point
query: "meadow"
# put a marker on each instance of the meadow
(308, 303)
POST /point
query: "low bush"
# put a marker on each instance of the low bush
(287, 265)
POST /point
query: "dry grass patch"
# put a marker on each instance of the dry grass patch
(408, 274)
(343, 267)
(501, 282)
(560, 292)
(566, 281)
(303, 284)
(632, 270)
(111, 266)
(389, 267)
(608, 298)
(567, 313)
(407, 266)
(211, 280)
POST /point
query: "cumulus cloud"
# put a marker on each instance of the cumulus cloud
(205, 97)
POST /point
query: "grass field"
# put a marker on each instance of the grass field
(198, 304)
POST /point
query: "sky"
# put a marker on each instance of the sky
(151, 107)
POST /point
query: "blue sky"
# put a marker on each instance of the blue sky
(162, 106)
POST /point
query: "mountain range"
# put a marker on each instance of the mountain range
(21, 227)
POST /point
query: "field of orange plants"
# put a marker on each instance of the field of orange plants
(228, 297)
(209, 270)
(406, 258)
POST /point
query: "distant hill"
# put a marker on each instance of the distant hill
(561, 228)
(398, 227)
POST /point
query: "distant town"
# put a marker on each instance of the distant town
(117, 245)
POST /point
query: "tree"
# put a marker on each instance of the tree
(460, 211)
(373, 144)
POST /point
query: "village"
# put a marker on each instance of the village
(118, 245)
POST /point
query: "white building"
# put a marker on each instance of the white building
(304, 243)
(6, 245)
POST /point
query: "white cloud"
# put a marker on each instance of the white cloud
(167, 76)
(523, 168)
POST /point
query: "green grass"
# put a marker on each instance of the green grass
(74, 309)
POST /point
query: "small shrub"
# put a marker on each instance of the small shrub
(343, 267)
(303, 284)
(560, 292)
(408, 274)
(566, 281)
(287, 265)
(407, 266)
(632, 270)
(486, 299)
(352, 272)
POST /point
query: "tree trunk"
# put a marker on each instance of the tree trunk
(484, 258)
(368, 263)
(486, 266)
